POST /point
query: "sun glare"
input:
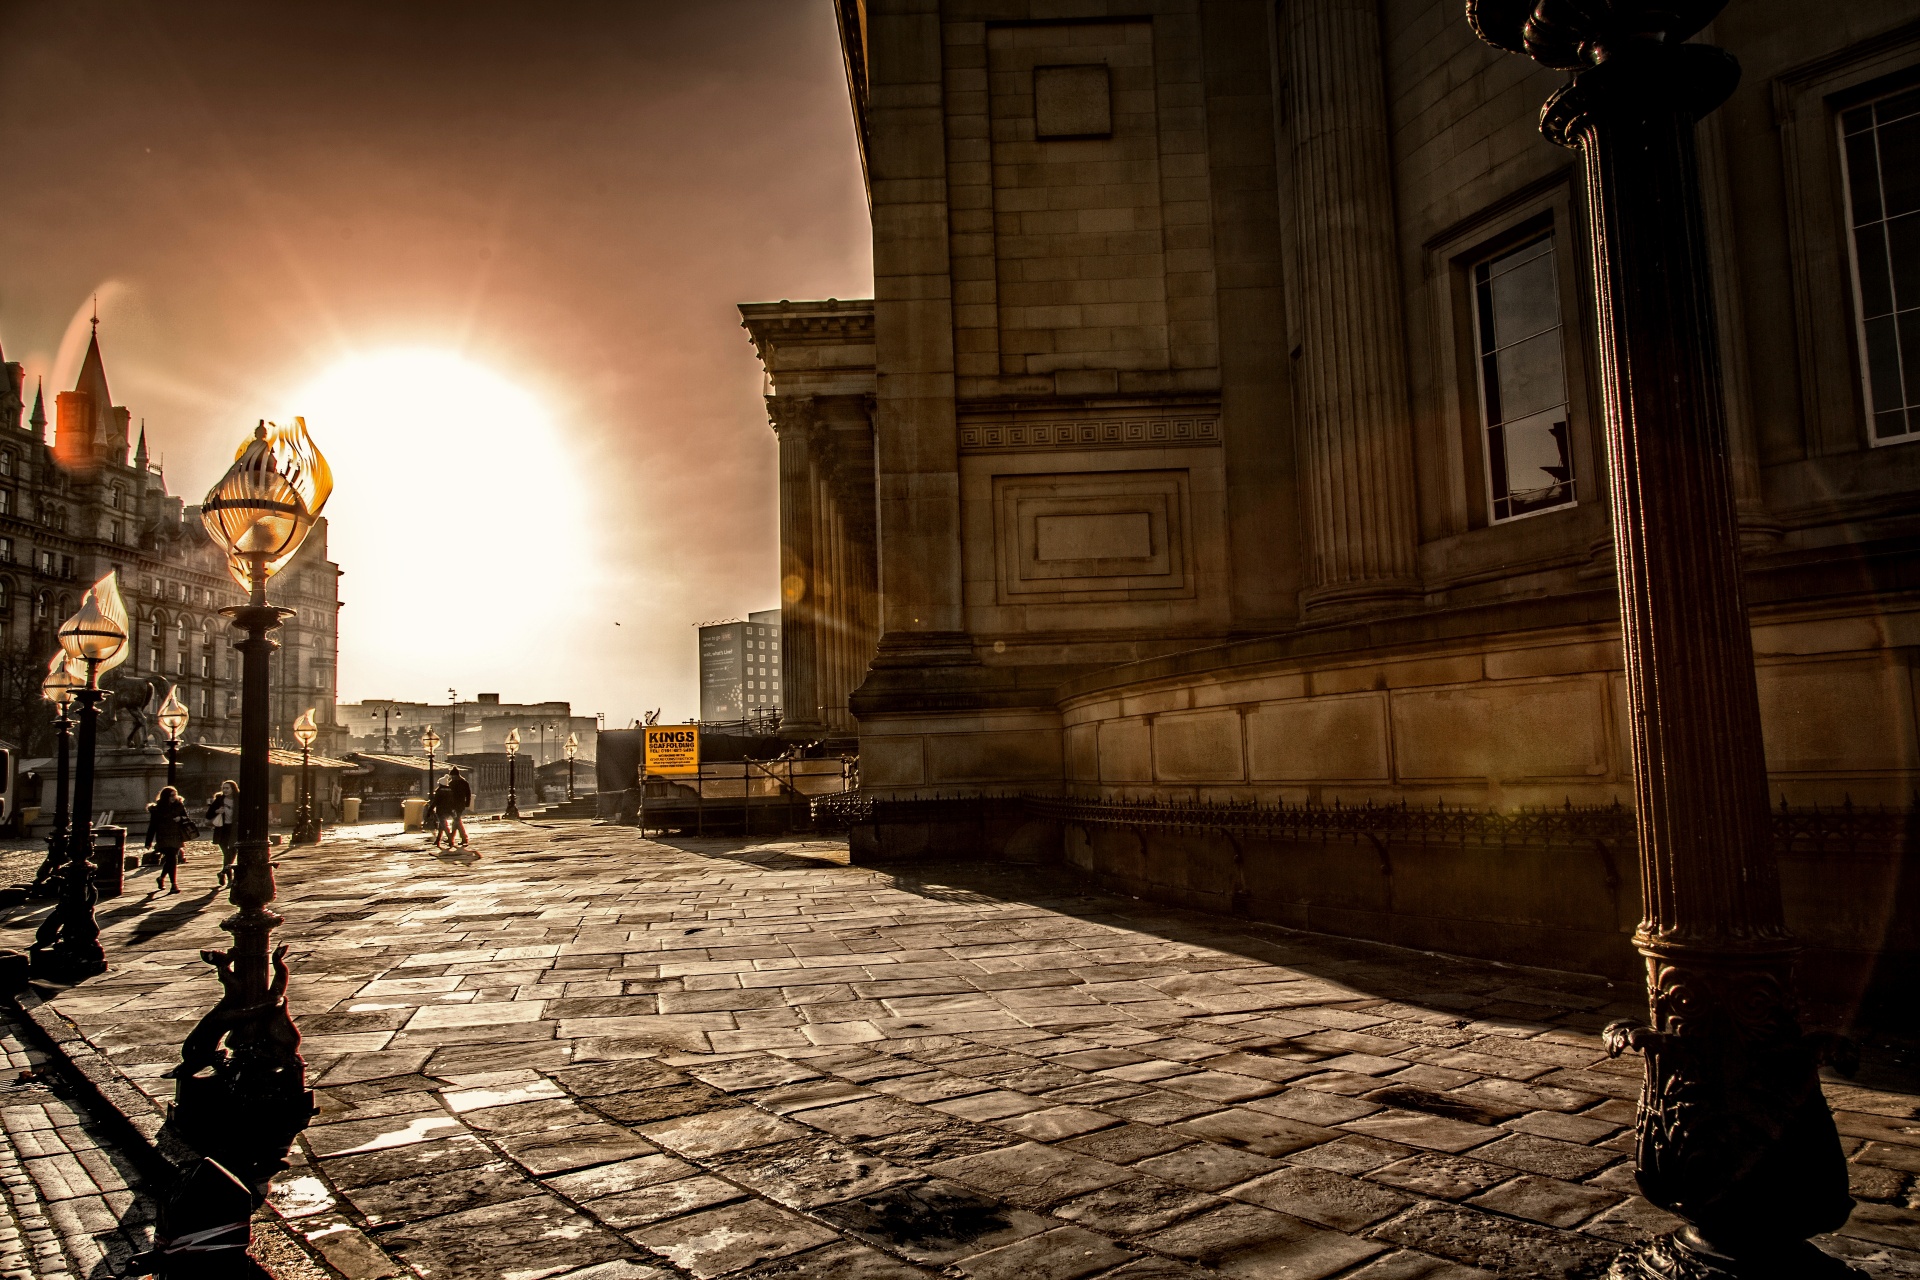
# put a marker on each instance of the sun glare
(458, 520)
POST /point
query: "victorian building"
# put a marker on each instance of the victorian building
(1226, 430)
(90, 500)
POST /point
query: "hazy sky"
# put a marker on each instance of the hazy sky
(492, 252)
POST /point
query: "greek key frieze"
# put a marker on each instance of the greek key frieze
(1101, 433)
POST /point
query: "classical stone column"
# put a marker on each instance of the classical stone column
(1358, 450)
(792, 418)
(1734, 1134)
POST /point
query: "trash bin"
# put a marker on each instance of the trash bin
(411, 811)
(109, 861)
(350, 810)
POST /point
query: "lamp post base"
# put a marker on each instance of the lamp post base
(1684, 1255)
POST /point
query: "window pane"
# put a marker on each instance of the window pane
(1863, 178)
(1900, 104)
(1857, 119)
(1900, 165)
(1910, 353)
(1539, 464)
(1526, 300)
(1876, 293)
(1530, 376)
(1883, 364)
(1903, 252)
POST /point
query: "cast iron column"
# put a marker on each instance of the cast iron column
(513, 801)
(173, 760)
(1734, 1134)
(241, 1095)
(67, 945)
(43, 880)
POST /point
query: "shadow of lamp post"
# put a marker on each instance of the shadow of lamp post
(513, 755)
(172, 717)
(306, 822)
(67, 946)
(1733, 1132)
(240, 1093)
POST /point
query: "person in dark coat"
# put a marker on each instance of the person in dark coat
(166, 832)
(462, 801)
(223, 818)
(439, 811)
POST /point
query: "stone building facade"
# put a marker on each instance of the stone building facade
(90, 500)
(1235, 438)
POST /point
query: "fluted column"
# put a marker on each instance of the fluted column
(792, 418)
(1358, 451)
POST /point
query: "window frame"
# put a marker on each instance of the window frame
(1856, 297)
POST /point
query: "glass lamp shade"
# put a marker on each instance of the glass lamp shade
(268, 500)
(431, 741)
(573, 745)
(60, 682)
(304, 729)
(173, 713)
(513, 742)
(97, 633)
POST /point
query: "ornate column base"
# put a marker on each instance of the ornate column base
(240, 1093)
(1686, 1255)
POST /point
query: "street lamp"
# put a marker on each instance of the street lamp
(1733, 1134)
(306, 823)
(431, 741)
(67, 946)
(58, 689)
(573, 749)
(513, 751)
(173, 718)
(240, 1093)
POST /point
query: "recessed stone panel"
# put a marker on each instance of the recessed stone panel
(1126, 751)
(1845, 715)
(1104, 536)
(1319, 739)
(1201, 747)
(1019, 756)
(1523, 729)
(1072, 102)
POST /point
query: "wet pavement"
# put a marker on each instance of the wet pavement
(586, 1054)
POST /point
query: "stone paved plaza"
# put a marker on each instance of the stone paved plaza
(589, 1054)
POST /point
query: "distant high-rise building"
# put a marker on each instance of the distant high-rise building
(740, 667)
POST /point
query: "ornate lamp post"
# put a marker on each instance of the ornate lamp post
(173, 718)
(1734, 1134)
(67, 946)
(306, 822)
(58, 689)
(240, 1094)
(431, 741)
(513, 754)
(573, 749)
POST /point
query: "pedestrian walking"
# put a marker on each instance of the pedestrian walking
(223, 816)
(439, 810)
(462, 797)
(168, 827)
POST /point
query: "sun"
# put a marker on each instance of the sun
(458, 519)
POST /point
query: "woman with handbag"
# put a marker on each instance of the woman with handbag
(168, 827)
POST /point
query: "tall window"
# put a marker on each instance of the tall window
(6, 462)
(1523, 383)
(1880, 146)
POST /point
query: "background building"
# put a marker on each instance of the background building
(1228, 430)
(740, 668)
(91, 500)
(479, 726)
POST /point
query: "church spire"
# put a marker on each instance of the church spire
(38, 419)
(140, 450)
